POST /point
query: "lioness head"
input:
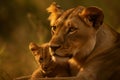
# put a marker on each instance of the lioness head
(74, 32)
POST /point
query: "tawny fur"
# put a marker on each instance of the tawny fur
(55, 11)
(85, 41)
(47, 67)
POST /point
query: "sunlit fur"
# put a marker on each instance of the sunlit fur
(80, 36)
(47, 67)
(55, 11)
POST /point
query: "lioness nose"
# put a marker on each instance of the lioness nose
(54, 47)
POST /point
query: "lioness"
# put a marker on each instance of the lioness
(47, 67)
(80, 34)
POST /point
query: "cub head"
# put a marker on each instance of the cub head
(74, 32)
(41, 54)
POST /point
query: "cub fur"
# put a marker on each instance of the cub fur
(81, 35)
(47, 67)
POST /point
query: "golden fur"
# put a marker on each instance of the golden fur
(55, 11)
(80, 36)
(47, 67)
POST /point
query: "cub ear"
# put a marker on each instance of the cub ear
(93, 16)
(55, 11)
(33, 46)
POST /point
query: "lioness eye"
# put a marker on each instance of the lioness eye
(72, 29)
(53, 28)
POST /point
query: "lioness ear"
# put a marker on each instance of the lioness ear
(55, 11)
(93, 16)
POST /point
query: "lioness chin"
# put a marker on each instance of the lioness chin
(81, 35)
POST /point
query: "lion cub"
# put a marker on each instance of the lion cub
(47, 67)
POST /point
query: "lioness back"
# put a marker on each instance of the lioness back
(81, 35)
(47, 67)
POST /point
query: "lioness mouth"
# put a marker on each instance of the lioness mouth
(67, 56)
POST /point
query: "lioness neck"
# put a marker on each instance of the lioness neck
(106, 38)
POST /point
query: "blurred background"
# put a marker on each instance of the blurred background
(25, 21)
